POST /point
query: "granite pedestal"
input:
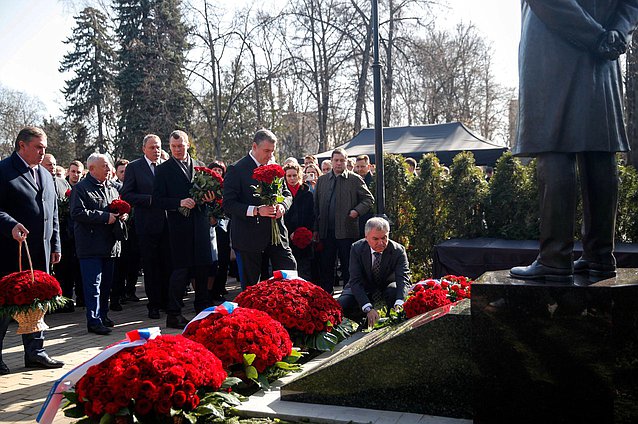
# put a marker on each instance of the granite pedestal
(422, 366)
(555, 353)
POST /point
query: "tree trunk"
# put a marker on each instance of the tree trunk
(363, 78)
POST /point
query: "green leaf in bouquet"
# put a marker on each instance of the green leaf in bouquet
(229, 398)
(107, 419)
(75, 412)
(287, 366)
(251, 372)
(230, 382)
(263, 382)
(71, 396)
(294, 356)
(249, 358)
(190, 417)
(204, 410)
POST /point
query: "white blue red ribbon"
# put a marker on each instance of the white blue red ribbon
(68, 380)
(286, 274)
(224, 309)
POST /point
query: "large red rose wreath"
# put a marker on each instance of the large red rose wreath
(308, 312)
(430, 294)
(150, 380)
(244, 331)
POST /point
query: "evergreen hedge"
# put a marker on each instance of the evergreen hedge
(428, 209)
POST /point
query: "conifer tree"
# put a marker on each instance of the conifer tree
(151, 83)
(90, 93)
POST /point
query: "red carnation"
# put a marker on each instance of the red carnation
(120, 207)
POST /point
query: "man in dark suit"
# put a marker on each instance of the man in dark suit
(189, 235)
(150, 224)
(379, 272)
(250, 221)
(28, 209)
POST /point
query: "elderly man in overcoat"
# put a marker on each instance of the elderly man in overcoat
(570, 113)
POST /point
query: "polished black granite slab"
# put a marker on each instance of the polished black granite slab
(555, 353)
(422, 366)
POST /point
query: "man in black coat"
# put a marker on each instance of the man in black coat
(28, 211)
(189, 235)
(379, 273)
(150, 224)
(571, 113)
(250, 221)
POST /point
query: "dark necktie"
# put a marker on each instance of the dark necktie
(35, 176)
(376, 267)
(153, 165)
(186, 168)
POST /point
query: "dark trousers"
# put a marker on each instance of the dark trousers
(223, 262)
(97, 275)
(250, 263)
(127, 268)
(68, 273)
(33, 343)
(332, 248)
(180, 278)
(557, 195)
(156, 261)
(352, 309)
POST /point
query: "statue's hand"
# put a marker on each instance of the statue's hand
(611, 45)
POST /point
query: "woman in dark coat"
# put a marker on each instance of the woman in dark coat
(570, 111)
(300, 215)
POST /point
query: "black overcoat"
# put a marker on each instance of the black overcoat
(189, 236)
(570, 99)
(37, 209)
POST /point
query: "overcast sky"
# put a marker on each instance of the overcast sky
(31, 42)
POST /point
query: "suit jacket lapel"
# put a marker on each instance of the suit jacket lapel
(180, 168)
(367, 262)
(24, 171)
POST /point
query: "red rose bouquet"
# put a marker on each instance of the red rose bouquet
(167, 376)
(430, 294)
(204, 181)
(27, 295)
(269, 190)
(63, 206)
(309, 313)
(120, 207)
(301, 237)
(248, 342)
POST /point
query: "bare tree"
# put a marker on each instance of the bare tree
(17, 110)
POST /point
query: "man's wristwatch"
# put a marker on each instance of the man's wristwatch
(367, 309)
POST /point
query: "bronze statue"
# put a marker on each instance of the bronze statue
(570, 113)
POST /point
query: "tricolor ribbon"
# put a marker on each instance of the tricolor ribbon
(225, 308)
(286, 274)
(68, 380)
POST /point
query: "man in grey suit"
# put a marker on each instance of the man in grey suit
(379, 272)
(28, 209)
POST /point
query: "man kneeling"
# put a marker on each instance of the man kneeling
(379, 273)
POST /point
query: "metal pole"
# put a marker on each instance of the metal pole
(378, 122)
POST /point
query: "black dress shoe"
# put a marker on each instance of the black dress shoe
(582, 266)
(42, 361)
(131, 298)
(99, 329)
(537, 271)
(115, 306)
(176, 321)
(153, 313)
(108, 322)
(4, 369)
